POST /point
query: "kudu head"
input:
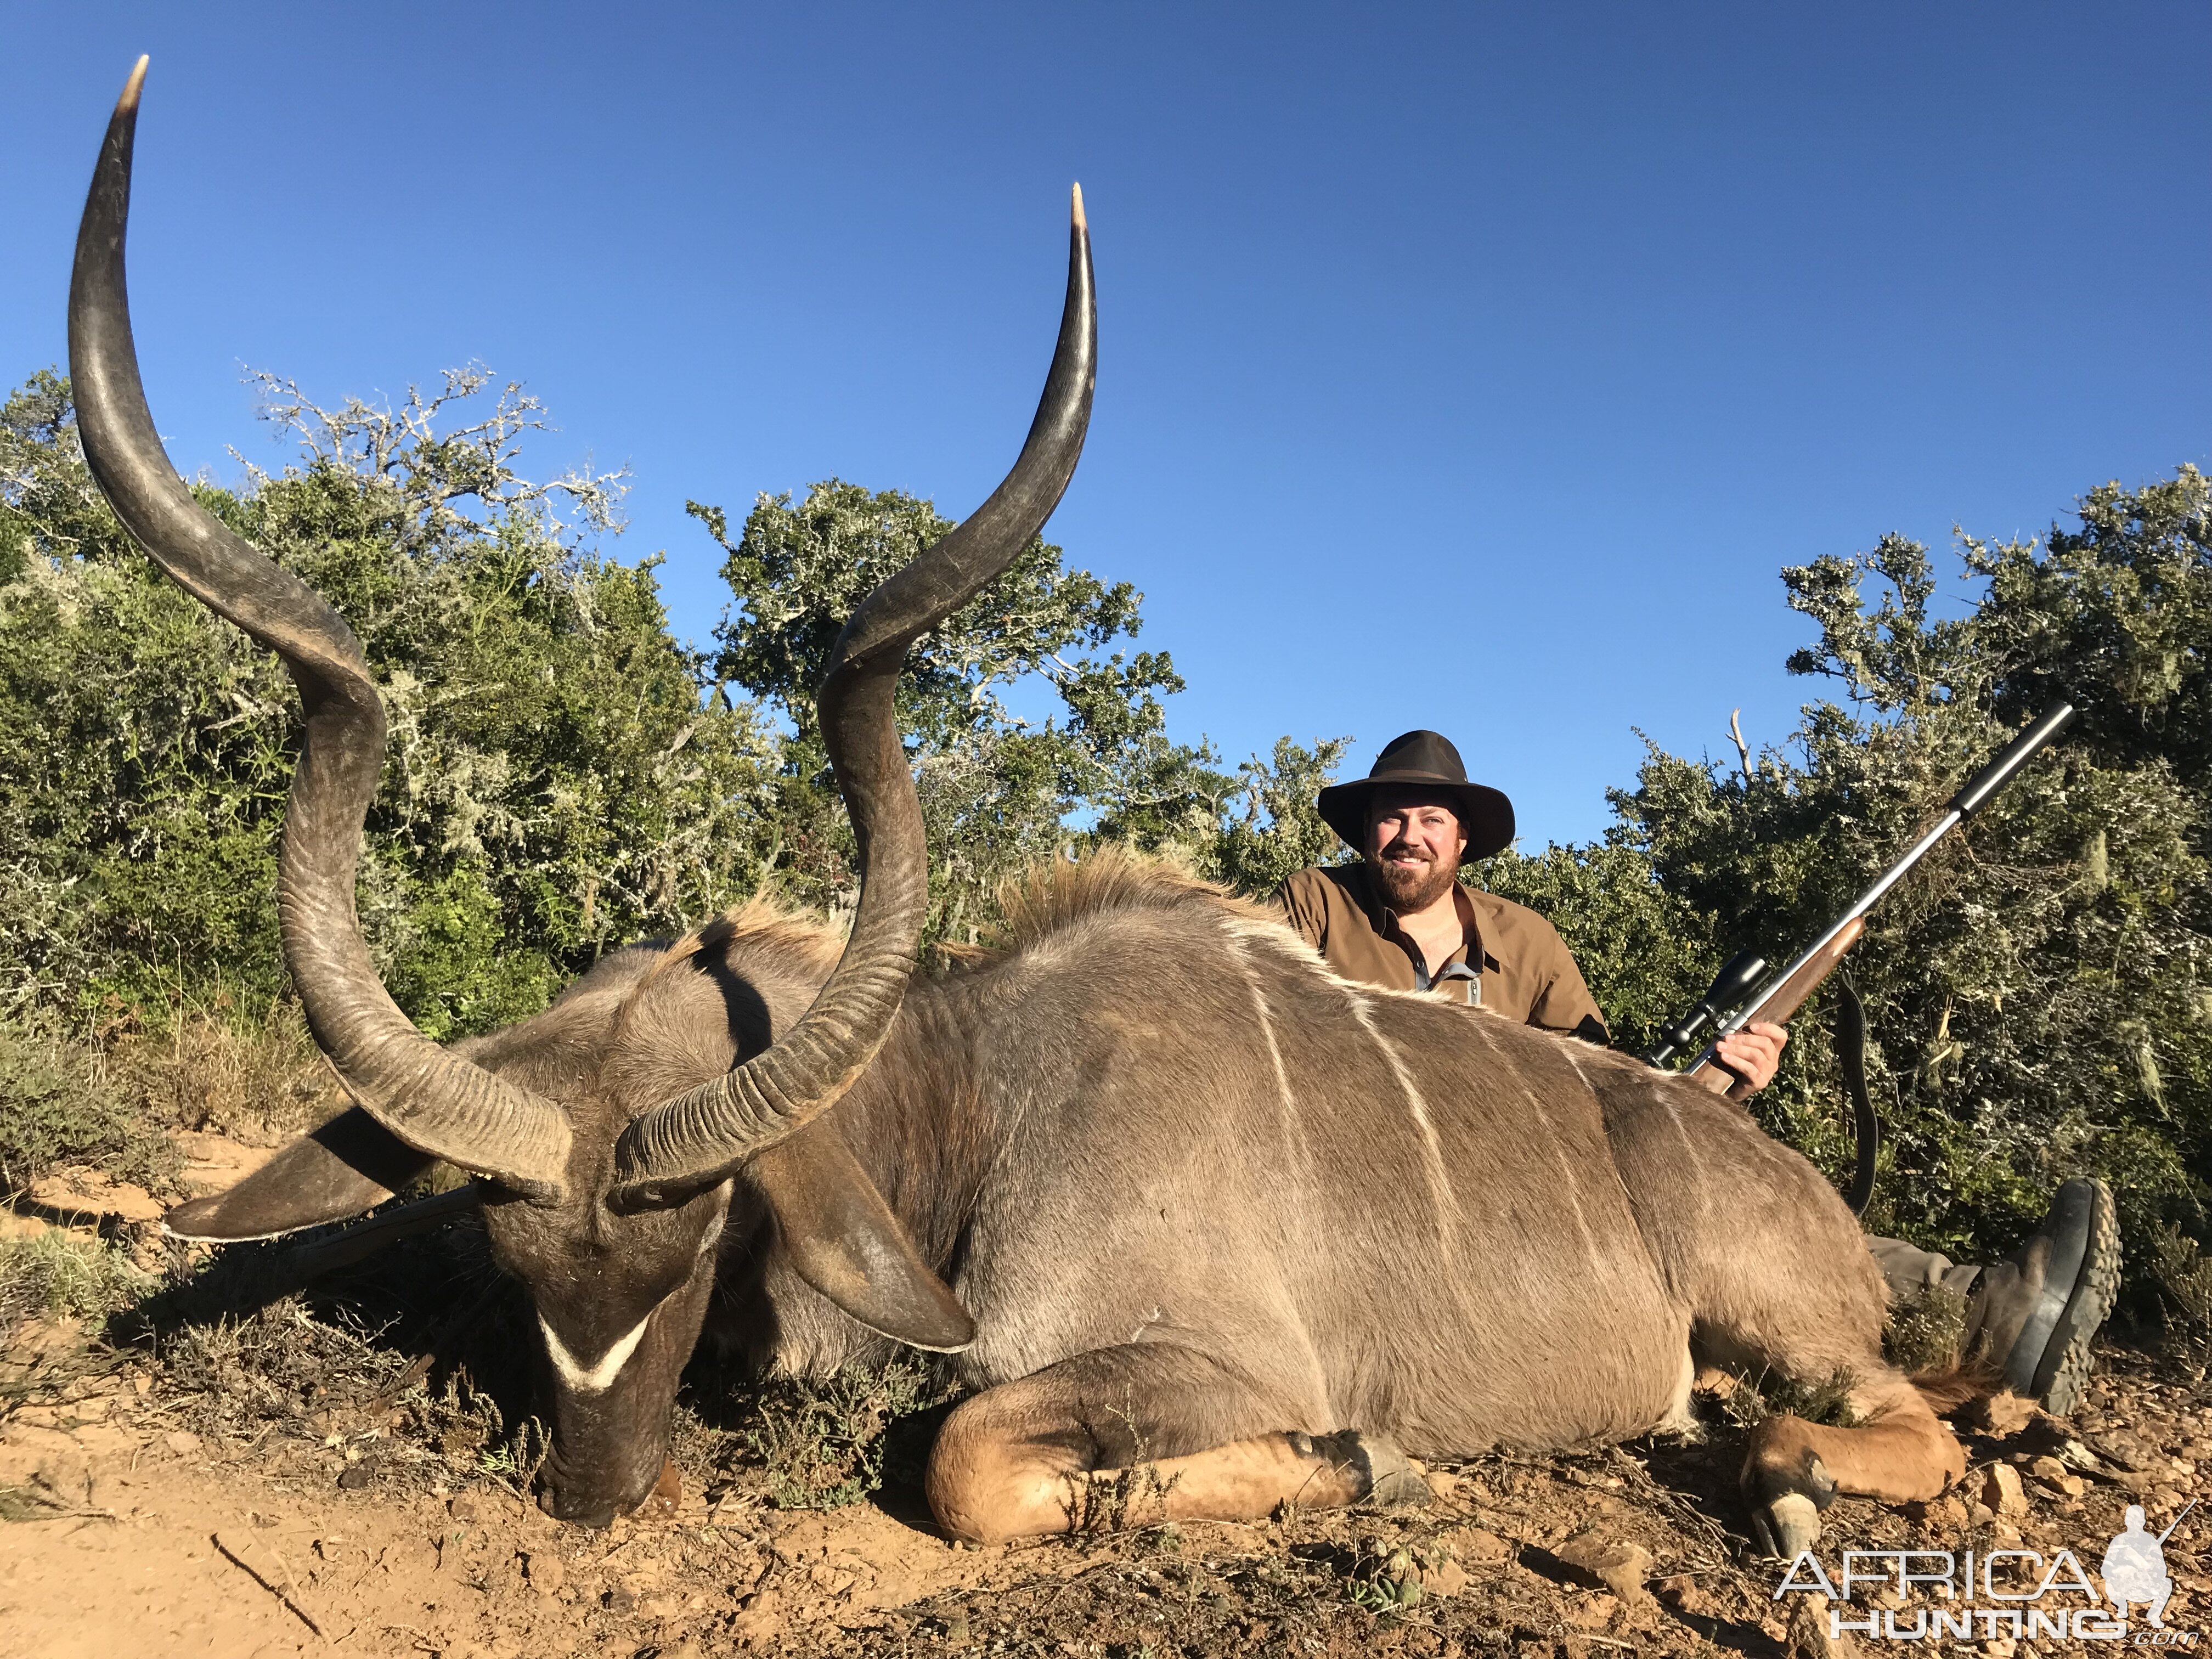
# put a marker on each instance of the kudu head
(607, 1206)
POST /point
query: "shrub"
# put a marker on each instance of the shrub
(58, 1107)
(56, 1273)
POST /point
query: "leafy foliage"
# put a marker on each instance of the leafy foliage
(2037, 986)
(58, 1273)
(555, 783)
(57, 1106)
(821, 1444)
(998, 789)
(564, 775)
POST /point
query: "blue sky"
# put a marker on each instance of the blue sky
(1472, 368)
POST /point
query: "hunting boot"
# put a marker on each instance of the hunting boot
(2033, 1314)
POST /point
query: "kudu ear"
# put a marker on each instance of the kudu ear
(845, 1243)
(351, 1165)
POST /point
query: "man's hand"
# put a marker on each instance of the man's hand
(1753, 1053)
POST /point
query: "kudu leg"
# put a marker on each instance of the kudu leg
(1898, 1452)
(1137, 1436)
(1770, 1268)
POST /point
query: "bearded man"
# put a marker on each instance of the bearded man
(1401, 918)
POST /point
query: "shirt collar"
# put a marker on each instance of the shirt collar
(1385, 922)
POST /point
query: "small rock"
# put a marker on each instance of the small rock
(1688, 1597)
(1446, 1577)
(759, 1626)
(1944, 1512)
(2076, 1456)
(620, 1598)
(1717, 1384)
(182, 1442)
(1472, 1544)
(355, 1477)
(2002, 1415)
(1620, 1568)
(1807, 1636)
(1592, 1611)
(2047, 1468)
(2001, 1491)
(463, 1508)
(667, 1494)
(2122, 1449)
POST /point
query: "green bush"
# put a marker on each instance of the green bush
(56, 1107)
(56, 1273)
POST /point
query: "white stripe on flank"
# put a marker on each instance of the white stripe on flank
(595, 1379)
(1551, 1138)
(1691, 1154)
(1432, 1151)
(1294, 1136)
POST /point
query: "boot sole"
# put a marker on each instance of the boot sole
(2062, 1372)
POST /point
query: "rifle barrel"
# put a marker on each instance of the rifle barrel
(1860, 906)
(1977, 790)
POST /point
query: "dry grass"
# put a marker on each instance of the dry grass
(58, 1105)
(2181, 1279)
(822, 1445)
(1926, 1331)
(58, 1273)
(214, 1067)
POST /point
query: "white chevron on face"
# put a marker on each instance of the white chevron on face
(594, 1379)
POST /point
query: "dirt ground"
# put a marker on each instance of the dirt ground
(241, 1469)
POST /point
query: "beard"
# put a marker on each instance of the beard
(1410, 888)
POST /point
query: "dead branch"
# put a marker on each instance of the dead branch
(254, 1573)
(1742, 749)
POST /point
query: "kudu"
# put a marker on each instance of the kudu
(1222, 1231)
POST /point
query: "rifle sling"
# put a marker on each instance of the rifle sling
(1850, 1050)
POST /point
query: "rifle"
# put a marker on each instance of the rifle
(1744, 990)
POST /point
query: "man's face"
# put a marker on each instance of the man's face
(1413, 845)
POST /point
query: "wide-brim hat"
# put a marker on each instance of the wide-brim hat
(1427, 759)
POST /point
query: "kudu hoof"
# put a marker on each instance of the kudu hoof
(1787, 1527)
(1786, 1505)
(1378, 1471)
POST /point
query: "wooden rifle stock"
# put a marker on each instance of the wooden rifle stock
(1786, 996)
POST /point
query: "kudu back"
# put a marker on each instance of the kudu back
(1209, 1229)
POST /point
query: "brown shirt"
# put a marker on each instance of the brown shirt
(1511, 959)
